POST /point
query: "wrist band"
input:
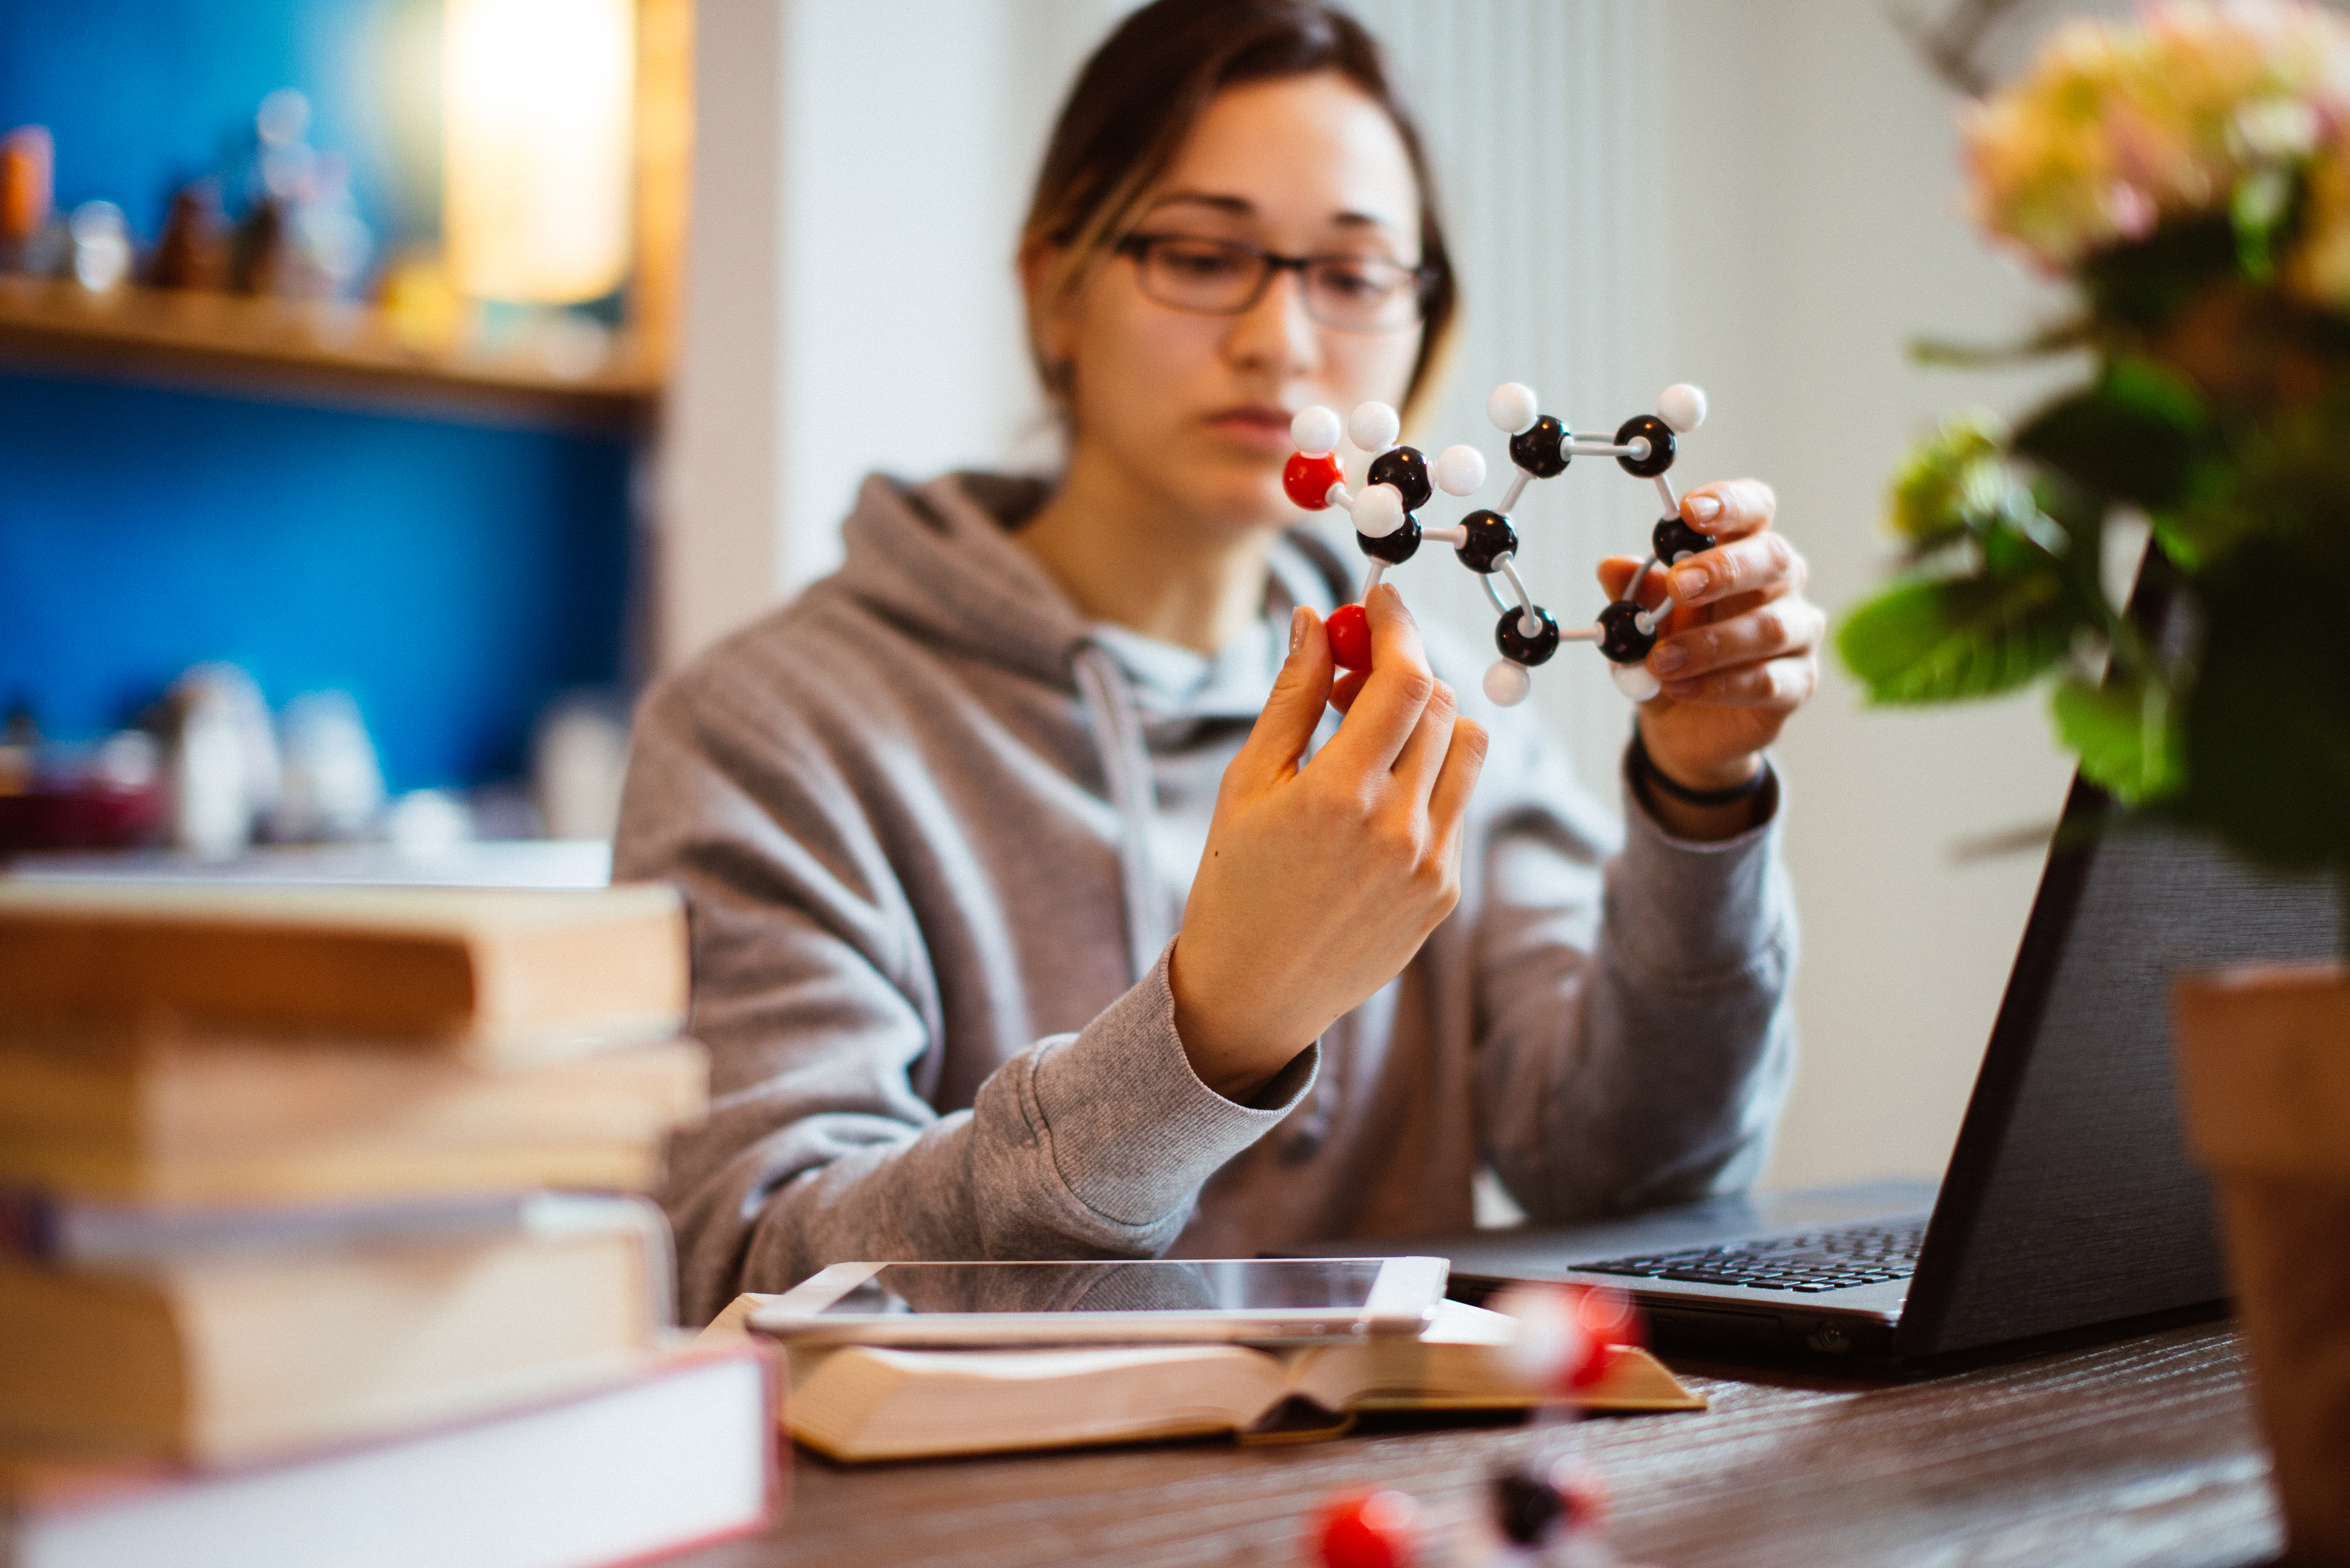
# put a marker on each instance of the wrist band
(1645, 769)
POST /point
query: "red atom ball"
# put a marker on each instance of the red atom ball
(1368, 1529)
(1308, 479)
(1608, 1319)
(1350, 636)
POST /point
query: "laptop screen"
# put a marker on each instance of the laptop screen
(2070, 1198)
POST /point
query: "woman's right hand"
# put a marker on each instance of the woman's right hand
(1320, 882)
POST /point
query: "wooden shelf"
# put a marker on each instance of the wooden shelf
(332, 353)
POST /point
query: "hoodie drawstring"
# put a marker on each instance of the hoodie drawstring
(1126, 765)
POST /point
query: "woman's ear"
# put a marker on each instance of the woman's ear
(1052, 307)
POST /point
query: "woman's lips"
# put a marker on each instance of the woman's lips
(1253, 424)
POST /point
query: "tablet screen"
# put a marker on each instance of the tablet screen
(1310, 1284)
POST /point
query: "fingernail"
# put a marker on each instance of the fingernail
(1703, 508)
(1688, 584)
(1297, 623)
(1395, 595)
(1668, 658)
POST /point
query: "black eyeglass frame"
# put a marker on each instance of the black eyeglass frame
(1424, 277)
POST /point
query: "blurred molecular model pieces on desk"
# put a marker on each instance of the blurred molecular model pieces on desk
(1551, 1514)
(1400, 480)
(1555, 1517)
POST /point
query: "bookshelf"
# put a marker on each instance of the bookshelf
(344, 353)
(331, 352)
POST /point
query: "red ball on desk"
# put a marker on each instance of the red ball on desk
(1608, 1319)
(1368, 1529)
(1349, 626)
(1308, 479)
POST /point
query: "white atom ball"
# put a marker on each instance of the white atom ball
(1682, 407)
(1373, 427)
(1634, 681)
(1549, 1340)
(1460, 470)
(1513, 407)
(1507, 683)
(1378, 510)
(1314, 430)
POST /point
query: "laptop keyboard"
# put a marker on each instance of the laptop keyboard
(1808, 1264)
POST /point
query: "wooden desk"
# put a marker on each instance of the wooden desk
(2142, 1452)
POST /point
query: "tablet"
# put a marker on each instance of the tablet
(1249, 1300)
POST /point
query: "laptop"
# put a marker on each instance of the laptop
(2069, 1200)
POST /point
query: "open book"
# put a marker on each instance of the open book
(860, 1403)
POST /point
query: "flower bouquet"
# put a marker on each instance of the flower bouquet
(2188, 175)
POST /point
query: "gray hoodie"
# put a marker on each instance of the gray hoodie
(936, 832)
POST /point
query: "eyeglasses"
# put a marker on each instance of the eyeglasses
(1225, 277)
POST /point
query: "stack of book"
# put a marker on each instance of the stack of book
(319, 1240)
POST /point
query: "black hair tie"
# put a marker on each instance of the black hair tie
(1645, 769)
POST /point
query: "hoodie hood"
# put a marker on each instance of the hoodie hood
(939, 560)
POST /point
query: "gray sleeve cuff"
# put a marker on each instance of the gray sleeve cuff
(1689, 910)
(1131, 1128)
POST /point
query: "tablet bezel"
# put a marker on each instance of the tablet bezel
(1402, 1299)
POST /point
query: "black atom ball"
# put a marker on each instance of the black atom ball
(1527, 1507)
(1491, 538)
(1536, 448)
(1674, 538)
(1394, 548)
(1621, 639)
(1660, 437)
(1407, 469)
(1509, 636)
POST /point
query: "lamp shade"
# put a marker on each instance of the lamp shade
(537, 98)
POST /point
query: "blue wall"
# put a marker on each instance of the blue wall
(451, 576)
(451, 579)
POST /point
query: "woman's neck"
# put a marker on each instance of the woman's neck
(1125, 556)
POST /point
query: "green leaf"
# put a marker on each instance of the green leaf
(2064, 337)
(2201, 532)
(2127, 735)
(1942, 640)
(2268, 723)
(2257, 207)
(1955, 482)
(2134, 436)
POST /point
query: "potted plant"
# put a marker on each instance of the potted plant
(2187, 174)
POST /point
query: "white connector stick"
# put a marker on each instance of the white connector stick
(1527, 622)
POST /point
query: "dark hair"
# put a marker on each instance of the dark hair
(1137, 100)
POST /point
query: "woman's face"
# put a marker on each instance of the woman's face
(1193, 409)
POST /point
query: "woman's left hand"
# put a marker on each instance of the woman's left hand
(1741, 650)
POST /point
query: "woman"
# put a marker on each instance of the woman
(1029, 920)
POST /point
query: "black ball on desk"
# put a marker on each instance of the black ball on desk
(1527, 1507)
(1511, 637)
(1536, 448)
(1407, 469)
(1491, 538)
(1394, 548)
(1622, 640)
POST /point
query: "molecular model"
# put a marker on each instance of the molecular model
(1400, 481)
